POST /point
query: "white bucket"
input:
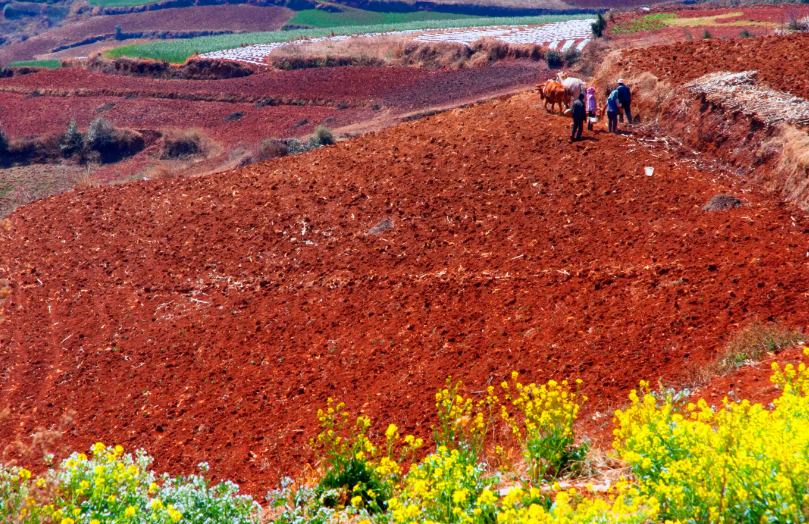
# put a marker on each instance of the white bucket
(649, 171)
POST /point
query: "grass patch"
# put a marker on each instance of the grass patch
(713, 21)
(644, 23)
(47, 64)
(754, 342)
(663, 20)
(354, 17)
(178, 51)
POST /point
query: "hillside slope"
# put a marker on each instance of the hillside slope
(208, 318)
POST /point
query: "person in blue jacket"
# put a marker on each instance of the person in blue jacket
(625, 98)
(612, 111)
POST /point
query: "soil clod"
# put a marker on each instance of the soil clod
(384, 225)
(721, 203)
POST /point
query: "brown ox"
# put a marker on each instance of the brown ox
(554, 93)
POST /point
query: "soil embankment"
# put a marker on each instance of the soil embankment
(208, 318)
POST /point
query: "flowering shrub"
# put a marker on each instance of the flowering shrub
(463, 423)
(689, 463)
(741, 463)
(114, 487)
(542, 420)
(628, 507)
(359, 477)
(447, 486)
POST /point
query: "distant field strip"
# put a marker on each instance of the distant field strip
(47, 64)
(350, 17)
(561, 35)
(178, 51)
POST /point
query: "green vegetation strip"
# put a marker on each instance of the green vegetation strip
(178, 51)
(351, 17)
(47, 64)
(644, 23)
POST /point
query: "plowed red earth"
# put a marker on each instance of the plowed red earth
(239, 18)
(42, 115)
(208, 318)
(401, 86)
(780, 61)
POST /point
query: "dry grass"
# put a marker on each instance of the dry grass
(396, 51)
(754, 342)
(86, 182)
(791, 175)
(161, 171)
(184, 144)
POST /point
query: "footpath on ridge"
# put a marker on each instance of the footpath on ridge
(207, 319)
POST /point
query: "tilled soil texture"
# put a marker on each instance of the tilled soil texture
(23, 116)
(404, 87)
(208, 318)
(236, 18)
(780, 61)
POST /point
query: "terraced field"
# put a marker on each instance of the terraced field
(557, 35)
(228, 45)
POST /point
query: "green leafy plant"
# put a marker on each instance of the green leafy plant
(554, 59)
(72, 141)
(599, 25)
(111, 486)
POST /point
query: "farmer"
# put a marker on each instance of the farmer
(592, 107)
(612, 111)
(579, 113)
(625, 98)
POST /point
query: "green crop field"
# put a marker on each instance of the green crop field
(47, 64)
(178, 51)
(352, 17)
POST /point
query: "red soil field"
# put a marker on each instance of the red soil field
(341, 83)
(238, 18)
(780, 61)
(208, 318)
(398, 86)
(44, 115)
(750, 382)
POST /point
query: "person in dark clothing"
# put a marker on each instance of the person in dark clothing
(579, 113)
(625, 98)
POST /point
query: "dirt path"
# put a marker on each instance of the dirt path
(208, 318)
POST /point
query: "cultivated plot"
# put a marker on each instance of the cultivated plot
(560, 35)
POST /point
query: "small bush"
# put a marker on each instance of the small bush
(746, 34)
(3, 142)
(323, 135)
(112, 144)
(238, 115)
(72, 141)
(115, 487)
(541, 419)
(100, 134)
(572, 56)
(271, 148)
(554, 59)
(706, 35)
(183, 144)
(599, 25)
